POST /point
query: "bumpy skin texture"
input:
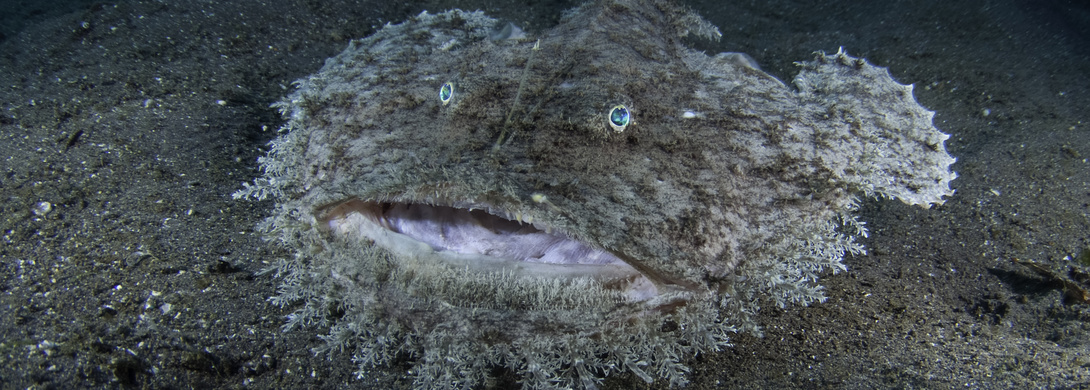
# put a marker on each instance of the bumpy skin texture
(726, 189)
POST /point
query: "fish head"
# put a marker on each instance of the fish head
(580, 189)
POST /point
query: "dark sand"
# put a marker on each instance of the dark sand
(136, 120)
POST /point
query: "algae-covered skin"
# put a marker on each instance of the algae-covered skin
(592, 199)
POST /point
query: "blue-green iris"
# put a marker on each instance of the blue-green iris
(619, 118)
(446, 92)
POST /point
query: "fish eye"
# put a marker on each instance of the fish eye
(446, 92)
(619, 118)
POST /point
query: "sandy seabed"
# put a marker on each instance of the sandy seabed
(126, 126)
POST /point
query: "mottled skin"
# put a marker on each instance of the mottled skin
(721, 192)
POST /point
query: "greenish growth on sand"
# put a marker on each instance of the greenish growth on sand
(1084, 257)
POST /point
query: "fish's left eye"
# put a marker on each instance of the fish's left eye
(446, 92)
(618, 118)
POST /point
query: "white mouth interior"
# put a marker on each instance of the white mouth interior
(478, 232)
(484, 242)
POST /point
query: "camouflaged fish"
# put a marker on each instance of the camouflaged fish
(595, 199)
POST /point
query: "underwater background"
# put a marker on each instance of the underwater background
(126, 126)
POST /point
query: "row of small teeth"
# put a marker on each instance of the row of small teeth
(522, 219)
(517, 216)
(527, 219)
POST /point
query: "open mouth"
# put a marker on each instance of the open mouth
(481, 240)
